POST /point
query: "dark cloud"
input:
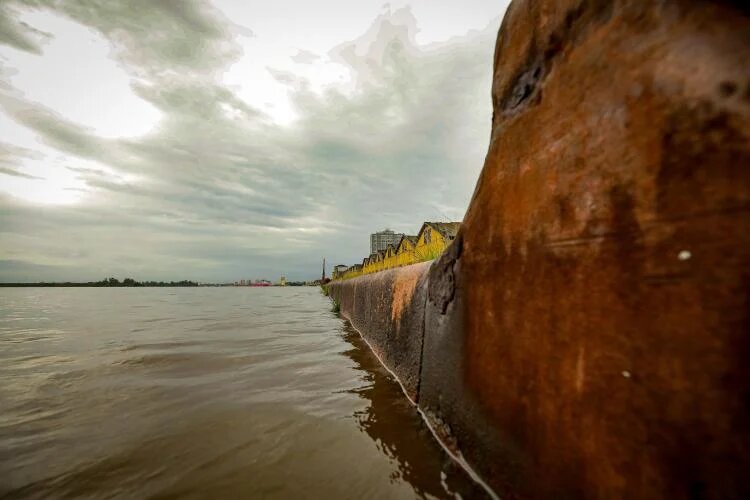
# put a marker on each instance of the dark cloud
(55, 131)
(15, 173)
(218, 191)
(11, 156)
(18, 34)
(154, 36)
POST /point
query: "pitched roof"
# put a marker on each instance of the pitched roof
(411, 239)
(446, 229)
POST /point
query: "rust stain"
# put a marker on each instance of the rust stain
(598, 319)
(580, 369)
(607, 250)
(404, 284)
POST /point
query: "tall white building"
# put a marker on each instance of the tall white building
(379, 241)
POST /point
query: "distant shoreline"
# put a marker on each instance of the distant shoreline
(140, 285)
(95, 285)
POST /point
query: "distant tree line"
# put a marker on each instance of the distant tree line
(108, 282)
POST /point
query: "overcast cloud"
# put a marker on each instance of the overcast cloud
(184, 139)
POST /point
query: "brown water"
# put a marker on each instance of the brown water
(203, 393)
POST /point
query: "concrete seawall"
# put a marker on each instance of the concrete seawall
(587, 335)
(408, 316)
(388, 309)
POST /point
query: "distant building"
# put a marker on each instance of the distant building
(339, 270)
(379, 241)
(282, 281)
(431, 240)
(446, 232)
(243, 282)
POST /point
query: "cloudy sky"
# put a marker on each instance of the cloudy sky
(217, 140)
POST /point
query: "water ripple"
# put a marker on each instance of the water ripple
(202, 393)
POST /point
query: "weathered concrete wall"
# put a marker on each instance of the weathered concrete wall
(388, 309)
(588, 333)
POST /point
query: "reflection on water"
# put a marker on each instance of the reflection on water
(396, 426)
(203, 393)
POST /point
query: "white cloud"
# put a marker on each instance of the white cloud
(380, 130)
(76, 77)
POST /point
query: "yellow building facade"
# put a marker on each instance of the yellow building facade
(428, 244)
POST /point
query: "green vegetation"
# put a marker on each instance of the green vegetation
(336, 307)
(423, 255)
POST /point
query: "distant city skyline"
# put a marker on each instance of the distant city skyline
(206, 140)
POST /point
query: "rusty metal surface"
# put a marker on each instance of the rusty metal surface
(456, 415)
(606, 255)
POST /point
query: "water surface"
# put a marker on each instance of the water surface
(203, 393)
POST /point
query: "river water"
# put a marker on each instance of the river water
(203, 393)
